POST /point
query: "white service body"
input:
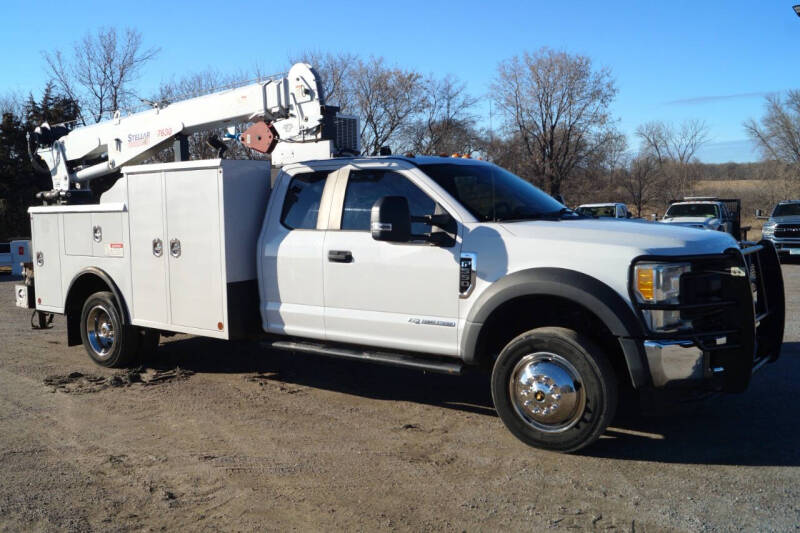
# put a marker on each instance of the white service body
(177, 239)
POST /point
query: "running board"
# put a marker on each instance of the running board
(383, 358)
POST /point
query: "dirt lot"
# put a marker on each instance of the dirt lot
(218, 435)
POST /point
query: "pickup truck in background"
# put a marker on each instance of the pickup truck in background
(608, 210)
(433, 263)
(706, 213)
(782, 227)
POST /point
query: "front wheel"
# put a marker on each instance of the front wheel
(554, 389)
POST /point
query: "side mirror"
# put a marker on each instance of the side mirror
(760, 214)
(628, 215)
(390, 219)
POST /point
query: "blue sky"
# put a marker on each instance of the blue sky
(672, 60)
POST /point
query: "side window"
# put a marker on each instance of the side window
(365, 187)
(301, 204)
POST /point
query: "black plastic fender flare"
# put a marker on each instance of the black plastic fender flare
(72, 333)
(594, 295)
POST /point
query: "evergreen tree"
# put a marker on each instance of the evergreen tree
(19, 183)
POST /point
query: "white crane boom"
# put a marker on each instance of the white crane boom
(290, 111)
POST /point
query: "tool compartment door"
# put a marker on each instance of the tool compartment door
(193, 249)
(47, 259)
(148, 249)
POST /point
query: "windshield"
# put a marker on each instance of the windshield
(492, 194)
(692, 210)
(786, 210)
(598, 211)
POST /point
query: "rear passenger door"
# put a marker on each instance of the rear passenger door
(292, 301)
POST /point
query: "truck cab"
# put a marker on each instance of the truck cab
(434, 263)
(782, 227)
(608, 210)
(705, 213)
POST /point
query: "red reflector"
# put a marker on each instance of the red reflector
(116, 245)
(38, 300)
(21, 250)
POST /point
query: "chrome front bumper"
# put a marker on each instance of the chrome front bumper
(673, 362)
(784, 244)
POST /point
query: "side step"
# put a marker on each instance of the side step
(383, 358)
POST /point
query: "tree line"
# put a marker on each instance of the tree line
(550, 122)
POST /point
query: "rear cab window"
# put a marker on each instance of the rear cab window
(302, 200)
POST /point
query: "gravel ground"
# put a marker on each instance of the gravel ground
(216, 435)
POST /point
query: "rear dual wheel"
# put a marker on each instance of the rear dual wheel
(108, 341)
(554, 389)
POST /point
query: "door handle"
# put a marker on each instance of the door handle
(158, 247)
(175, 248)
(340, 256)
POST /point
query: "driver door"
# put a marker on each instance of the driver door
(392, 295)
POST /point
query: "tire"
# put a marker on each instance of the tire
(108, 341)
(554, 389)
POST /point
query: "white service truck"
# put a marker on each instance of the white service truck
(434, 263)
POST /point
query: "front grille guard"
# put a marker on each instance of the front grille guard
(735, 302)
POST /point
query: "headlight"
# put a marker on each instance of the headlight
(659, 283)
(768, 229)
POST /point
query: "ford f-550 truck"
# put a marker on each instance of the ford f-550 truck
(435, 263)
(430, 262)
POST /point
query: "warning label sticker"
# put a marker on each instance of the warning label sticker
(115, 249)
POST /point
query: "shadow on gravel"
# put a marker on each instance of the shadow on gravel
(757, 428)
(469, 392)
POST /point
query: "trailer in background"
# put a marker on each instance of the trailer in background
(20, 254)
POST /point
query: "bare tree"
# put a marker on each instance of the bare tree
(778, 134)
(385, 100)
(556, 105)
(640, 181)
(12, 102)
(667, 143)
(446, 123)
(101, 71)
(674, 150)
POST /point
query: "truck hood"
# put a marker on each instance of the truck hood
(793, 219)
(601, 248)
(691, 221)
(643, 238)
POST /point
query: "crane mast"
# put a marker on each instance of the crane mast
(291, 122)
